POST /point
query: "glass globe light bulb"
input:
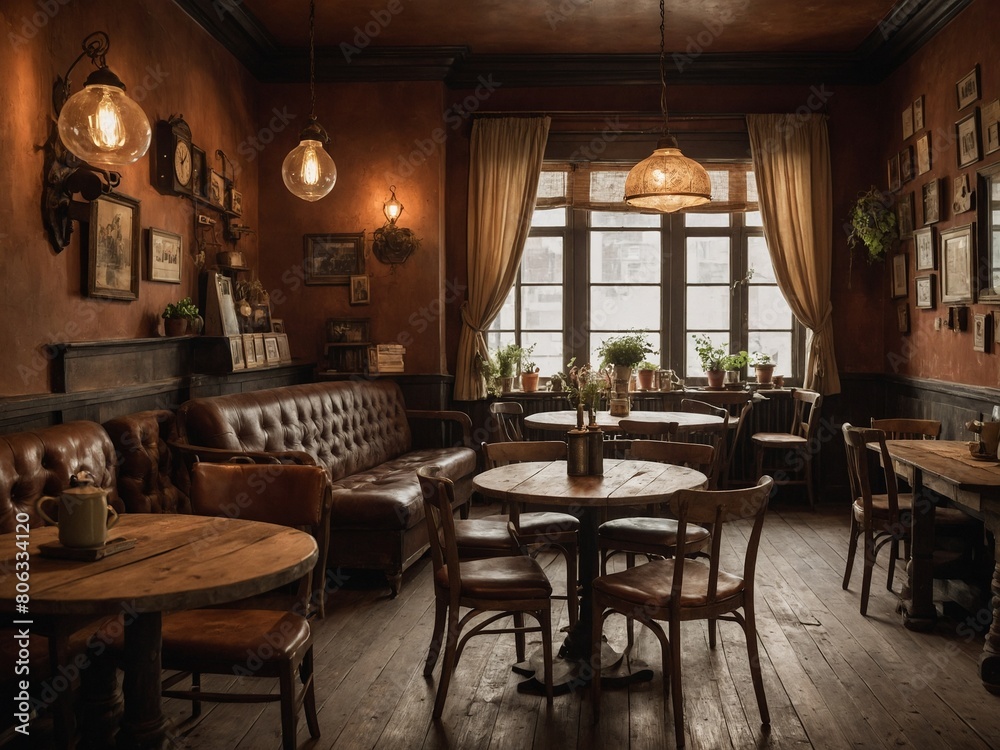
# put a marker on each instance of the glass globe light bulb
(308, 171)
(101, 125)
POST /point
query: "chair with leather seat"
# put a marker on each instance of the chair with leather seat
(499, 587)
(901, 428)
(683, 589)
(880, 518)
(542, 529)
(715, 435)
(217, 641)
(795, 446)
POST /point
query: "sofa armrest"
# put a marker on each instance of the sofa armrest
(460, 417)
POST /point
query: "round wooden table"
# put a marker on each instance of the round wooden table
(562, 421)
(624, 483)
(178, 562)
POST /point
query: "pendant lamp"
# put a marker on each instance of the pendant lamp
(667, 181)
(308, 171)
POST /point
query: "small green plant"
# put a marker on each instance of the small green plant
(734, 361)
(525, 364)
(761, 358)
(185, 308)
(627, 350)
(647, 365)
(507, 359)
(491, 374)
(710, 355)
(872, 223)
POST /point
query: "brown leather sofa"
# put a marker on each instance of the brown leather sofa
(361, 432)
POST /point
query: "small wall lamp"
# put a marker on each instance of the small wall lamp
(392, 208)
(392, 244)
(98, 124)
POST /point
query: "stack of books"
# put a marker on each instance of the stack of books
(385, 358)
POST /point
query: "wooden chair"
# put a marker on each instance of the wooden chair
(739, 404)
(217, 641)
(797, 446)
(908, 429)
(682, 589)
(632, 429)
(714, 435)
(542, 529)
(508, 416)
(504, 586)
(880, 519)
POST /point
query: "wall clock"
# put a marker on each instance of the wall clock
(173, 160)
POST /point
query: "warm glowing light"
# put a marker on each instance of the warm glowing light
(310, 167)
(102, 125)
(106, 126)
(667, 181)
(308, 171)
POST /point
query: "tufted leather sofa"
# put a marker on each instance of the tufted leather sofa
(363, 435)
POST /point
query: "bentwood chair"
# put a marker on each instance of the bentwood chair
(795, 447)
(507, 416)
(497, 587)
(639, 429)
(880, 519)
(217, 641)
(542, 529)
(900, 428)
(683, 589)
(715, 435)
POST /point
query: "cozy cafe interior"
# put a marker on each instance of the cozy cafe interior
(511, 374)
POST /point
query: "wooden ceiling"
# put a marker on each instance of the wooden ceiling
(554, 42)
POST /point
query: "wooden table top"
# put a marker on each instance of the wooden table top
(949, 460)
(625, 482)
(566, 420)
(178, 562)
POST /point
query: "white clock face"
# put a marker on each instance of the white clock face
(182, 162)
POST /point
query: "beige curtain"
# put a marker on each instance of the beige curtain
(504, 163)
(791, 161)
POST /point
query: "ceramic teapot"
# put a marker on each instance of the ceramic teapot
(84, 515)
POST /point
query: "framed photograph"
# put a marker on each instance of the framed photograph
(899, 286)
(931, 195)
(164, 258)
(918, 114)
(360, 291)
(904, 209)
(907, 122)
(216, 189)
(198, 172)
(258, 348)
(272, 354)
(334, 258)
(113, 250)
(906, 170)
(967, 138)
(982, 332)
(924, 154)
(988, 228)
(957, 262)
(993, 137)
(235, 201)
(967, 88)
(894, 178)
(903, 318)
(347, 330)
(236, 352)
(249, 353)
(924, 286)
(260, 318)
(962, 195)
(924, 250)
(277, 325)
(284, 353)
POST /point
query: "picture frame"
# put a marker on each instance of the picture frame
(347, 330)
(924, 249)
(216, 189)
(164, 252)
(969, 147)
(962, 194)
(988, 229)
(284, 352)
(992, 138)
(918, 114)
(957, 262)
(258, 348)
(198, 172)
(899, 285)
(272, 355)
(893, 168)
(906, 166)
(113, 251)
(277, 325)
(967, 88)
(982, 332)
(260, 318)
(924, 292)
(235, 202)
(236, 352)
(989, 121)
(360, 290)
(903, 318)
(924, 154)
(931, 198)
(904, 211)
(908, 122)
(333, 258)
(249, 352)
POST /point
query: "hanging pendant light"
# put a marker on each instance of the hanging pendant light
(667, 181)
(308, 171)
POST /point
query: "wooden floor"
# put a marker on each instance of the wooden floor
(833, 679)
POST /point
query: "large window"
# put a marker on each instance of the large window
(590, 271)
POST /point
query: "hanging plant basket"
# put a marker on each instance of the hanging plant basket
(393, 245)
(873, 224)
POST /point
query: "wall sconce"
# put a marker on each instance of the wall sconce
(98, 124)
(391, 244)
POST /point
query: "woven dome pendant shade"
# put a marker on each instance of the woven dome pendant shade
(667, 181)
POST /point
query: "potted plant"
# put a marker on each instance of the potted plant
(763, 363)
(529, 371)
(872, 223)
(733, 364)
(507, 359)
(644, 375)
(623, 353)
(177, 316)
(491, 374)
(711, 357)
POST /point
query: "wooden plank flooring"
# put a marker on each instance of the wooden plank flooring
(833, 678)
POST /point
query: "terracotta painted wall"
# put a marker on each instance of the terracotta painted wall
(382, 134)
(933, 72)
(171, 66)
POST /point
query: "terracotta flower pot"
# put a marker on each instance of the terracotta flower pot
(764, 373)
(715, 378)
(175, 326)
(645, 379)
(529, 382)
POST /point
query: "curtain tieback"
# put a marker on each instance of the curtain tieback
(467, 320)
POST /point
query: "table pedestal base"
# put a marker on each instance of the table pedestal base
(568, 674)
